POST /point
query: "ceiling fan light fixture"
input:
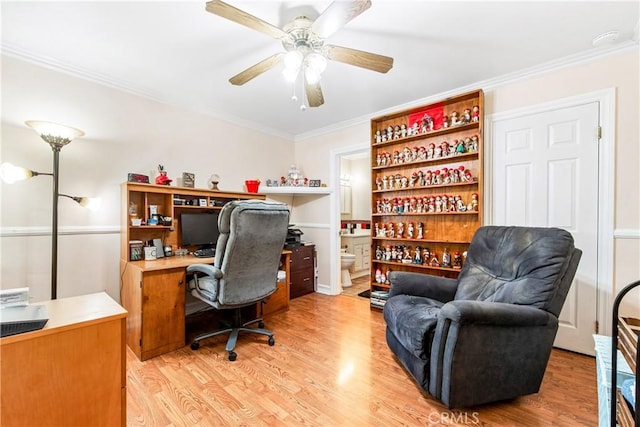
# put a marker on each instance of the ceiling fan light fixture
(293, 60)
(290, 74)
(317, 62)
(311, 76)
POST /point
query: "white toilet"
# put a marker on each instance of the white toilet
(346, 261)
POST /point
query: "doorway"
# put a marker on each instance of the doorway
(357, 153)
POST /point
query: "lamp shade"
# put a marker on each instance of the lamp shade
(55, 134)
(10, 173)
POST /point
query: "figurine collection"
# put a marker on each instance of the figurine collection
(433, 151)
(442, 176)
(435, 203)
(426, 124)
(418, 256)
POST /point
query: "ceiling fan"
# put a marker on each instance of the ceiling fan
(303, 40)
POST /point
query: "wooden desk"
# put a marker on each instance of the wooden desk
(70, 373)
(153, 292)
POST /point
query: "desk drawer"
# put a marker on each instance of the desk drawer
(301, 283)
(302, 258)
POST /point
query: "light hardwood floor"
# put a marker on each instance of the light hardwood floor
(330, 366)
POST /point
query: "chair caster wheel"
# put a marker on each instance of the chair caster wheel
(232, 356)
(261, 325)
(272, 341)
(195, 345)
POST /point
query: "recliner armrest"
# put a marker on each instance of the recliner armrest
(206, 269)
(424, 285)
(494, 313)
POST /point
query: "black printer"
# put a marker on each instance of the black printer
(294, 236)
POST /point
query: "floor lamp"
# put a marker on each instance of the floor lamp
(57, 136)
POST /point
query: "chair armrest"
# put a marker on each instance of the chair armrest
(206, 269)
(494, 313)
(423, 285)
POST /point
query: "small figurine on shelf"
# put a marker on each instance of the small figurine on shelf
(400, 233)
(426, 256)
(460, 148)
(475, 113)
(415, 128)
(473, 206)
(466, 116)
(396, 132)
(445, 121)
(455, 120)
(446, 258)
(457, 260)
(378, 137)
(417, 256)
(378, 275)
(427, 123)
(434, 260)
(420, 231)
(162, 179)
(410, 228)
(403, 130)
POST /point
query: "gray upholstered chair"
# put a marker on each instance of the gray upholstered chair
(486, 336)
(247, 257)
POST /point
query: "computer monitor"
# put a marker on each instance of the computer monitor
(199, 229)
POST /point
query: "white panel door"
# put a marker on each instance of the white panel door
(546, 175)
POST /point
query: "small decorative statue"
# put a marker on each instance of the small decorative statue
(475, 113)
(162, 179)
(457, 260)
(446, 258)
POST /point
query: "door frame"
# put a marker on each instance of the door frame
(334, 207)
(606, 156)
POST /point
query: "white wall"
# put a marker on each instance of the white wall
(124, 133)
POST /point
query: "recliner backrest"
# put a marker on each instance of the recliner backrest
(252, 236)
(519, 265)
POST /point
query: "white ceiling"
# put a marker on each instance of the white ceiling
(178, 53)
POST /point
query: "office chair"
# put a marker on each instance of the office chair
(487, 335)
(247, 257)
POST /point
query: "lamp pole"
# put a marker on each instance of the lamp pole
(54, 225)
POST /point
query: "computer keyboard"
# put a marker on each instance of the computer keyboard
(205, 253)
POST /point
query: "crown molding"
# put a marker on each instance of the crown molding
(54, 65)
(488, 84)
(568, 61)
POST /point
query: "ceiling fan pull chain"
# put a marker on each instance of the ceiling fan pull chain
(303, 107)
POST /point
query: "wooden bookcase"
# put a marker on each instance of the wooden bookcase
(405, 189)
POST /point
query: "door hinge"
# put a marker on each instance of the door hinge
(597, 327)
(599, 132)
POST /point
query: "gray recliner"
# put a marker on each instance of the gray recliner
(486, 336)
(245, 271)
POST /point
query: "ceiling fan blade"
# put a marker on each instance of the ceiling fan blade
(359, 58)
(338, 14)
(231, 13)
(314, 94)
(255, 70)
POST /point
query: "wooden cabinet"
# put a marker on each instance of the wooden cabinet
(70, 373)
(427, 183)
(302, 270)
